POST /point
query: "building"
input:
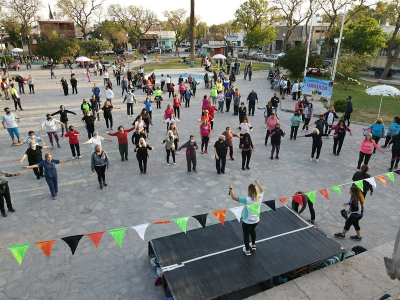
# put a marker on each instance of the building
(63, 28)
(235, 40)
(167, 38)
(213, 48)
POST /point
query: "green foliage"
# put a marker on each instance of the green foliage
(57, 47)
(351, 65)
(251, 14)
(260, 36)
(111, 32)
(13, 29)
(340, 105)
(295, 59)
(8, 59)
(364, 37)
(92, 46)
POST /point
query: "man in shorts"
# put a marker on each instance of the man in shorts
(10, 122)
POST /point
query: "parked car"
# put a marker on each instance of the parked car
(166, 49)
(108, 52)
(187, 49)
(255, 55)
(120, 51)
(151, 50)
(271, 58)
(242, 53)
(142, 49)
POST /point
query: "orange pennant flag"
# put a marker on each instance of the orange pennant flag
(283, 199)
(161, 222)
(95, 237)
(324, 193)
(46, 247)
(382, 179)
(220, 214)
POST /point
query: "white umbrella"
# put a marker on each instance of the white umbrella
(383, 90)
(17, 50)
(219, 56)
(83, 58)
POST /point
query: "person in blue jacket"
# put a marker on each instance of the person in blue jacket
(393, 130)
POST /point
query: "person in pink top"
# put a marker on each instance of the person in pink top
(168, 112)
(205, 132)
(205, 103)
(367, 146)
(271, 122)
(182, 89)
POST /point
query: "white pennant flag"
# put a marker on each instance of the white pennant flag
(371, 181)
(237, 211)
(141, 229)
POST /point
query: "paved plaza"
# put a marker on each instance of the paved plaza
(166, 192)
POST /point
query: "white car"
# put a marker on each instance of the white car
(108, 52)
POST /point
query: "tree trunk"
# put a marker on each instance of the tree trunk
(192, 29)
(391, 58)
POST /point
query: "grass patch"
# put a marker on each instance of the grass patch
(366, 107)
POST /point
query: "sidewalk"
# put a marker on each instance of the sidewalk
(360, 277)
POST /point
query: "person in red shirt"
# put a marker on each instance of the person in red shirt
(177, 105)
(122, 136)
(72, 134)
(211, 111)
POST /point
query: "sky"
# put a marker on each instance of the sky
(211, 12)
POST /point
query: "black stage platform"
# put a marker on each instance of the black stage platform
(209, 263)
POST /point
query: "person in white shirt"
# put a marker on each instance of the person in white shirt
(105, 77)
(295, 89)
(50, 125)
(245, 126)
(141, 71)
(10, 122)
(162, 81)
(168, 81)
(109, 94)
(170, 120)
(96, 140)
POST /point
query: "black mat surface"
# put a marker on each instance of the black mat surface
(214, 276)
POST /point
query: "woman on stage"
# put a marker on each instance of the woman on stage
(250, 220)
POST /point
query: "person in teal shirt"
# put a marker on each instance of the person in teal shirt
(377, 131)
(295, 121)
(393, 130)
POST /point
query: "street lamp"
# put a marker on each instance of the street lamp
(100, 35)
(127, 42)
(22, 42)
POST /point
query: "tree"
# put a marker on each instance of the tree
(295, 59)
(292, 15)
(364, 37)
(13, 29)
(219, 31)
(251, 14)
(79, 11)
(90, 47)
(56, 47)
(352, 66)
(25, 12)
(260, 36)
(136, 20)
(192, 30)
(111, 32)
(201, 29)
(176, 22)
(391, 46)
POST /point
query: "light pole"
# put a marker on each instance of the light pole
(100, 35)
(336, 40)
(2, 34)
(22, 42)
(127, 49)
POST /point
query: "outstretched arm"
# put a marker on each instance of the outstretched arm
(232, 193)
(259, 186)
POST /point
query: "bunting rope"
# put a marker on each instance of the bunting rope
(73, 241)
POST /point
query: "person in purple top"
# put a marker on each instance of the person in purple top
(339, 132)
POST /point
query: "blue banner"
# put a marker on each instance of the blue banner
(318, 87)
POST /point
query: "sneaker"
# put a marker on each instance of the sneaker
(144, 172)
(4, 214)
(38, 177)
(396, 166)
(167, 164)
(266, 144)
(122, 159)
(73, 157)
(339, 235)
(126, 158)
(311, 159)
(56, 194)
(79, 157)
(356, 238)
(194, 170)
(245, 251)
(101, 186)
(271, 157)
(53, 198)
(232, 158)
(174, 164)
(277, 157)
(253, 247)
(247, 167)
(189, 173)
(11, 209)
(390, 169)
(104, 184)
(202, 152)
(206, 151)
(316, 160)
(243, 168)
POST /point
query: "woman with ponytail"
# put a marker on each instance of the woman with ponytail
(355, 209)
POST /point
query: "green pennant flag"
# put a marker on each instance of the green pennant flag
(311, 196)
(254, 208)
(182, 223)
(390, 175)
(348, 78)
(367, 87)
(118, 234)
(19, 252)
(360, 185)
(359, 83)
(336, 189)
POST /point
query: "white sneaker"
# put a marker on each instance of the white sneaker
(311, 159)
(174, 164)
(167, 164)
(73, 157)
(316, 160)
(79, 157)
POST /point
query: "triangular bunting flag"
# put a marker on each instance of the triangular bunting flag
(118, 234)
(311, 196)
(371, 181)
(254, 208)
(360, 185)
(72, 241)
(237, 211)
(95, 237)
(202, 219)
(46, 247)
(283, 199)
(182, 223)
(220, 214)
(141, 229)
(19, 252)
(336, 188)
(161, 222)
(382, 179)
(298, 199)
(390, 175)
(270, 204)
(324, 192)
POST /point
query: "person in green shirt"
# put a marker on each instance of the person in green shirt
(158, 92)
(214, 95)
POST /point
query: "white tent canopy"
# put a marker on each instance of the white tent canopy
(17, 50)
(83, 59)
(219, 56)
(382, 90)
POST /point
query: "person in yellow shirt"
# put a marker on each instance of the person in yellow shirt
(158, 92)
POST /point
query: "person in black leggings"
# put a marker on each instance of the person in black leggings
(250, 220)
(107, 109)
(246, 146)
(317, 143)
(395, 151)
(142, 154)
(100, 163)
(305, 200)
